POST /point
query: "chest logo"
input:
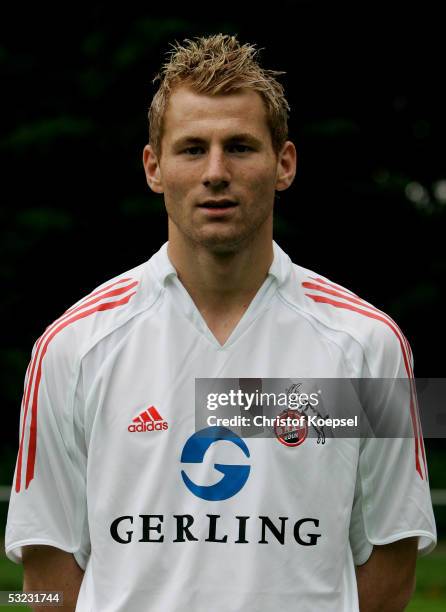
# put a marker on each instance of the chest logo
(148, 420)
(292, 430)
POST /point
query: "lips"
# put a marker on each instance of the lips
(218, 204)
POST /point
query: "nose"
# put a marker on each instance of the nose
(216, 172)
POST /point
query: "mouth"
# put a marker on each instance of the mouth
(217, 204)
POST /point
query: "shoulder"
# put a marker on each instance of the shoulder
(362, 329)
(104, 309)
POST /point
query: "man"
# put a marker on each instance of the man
(112, 478)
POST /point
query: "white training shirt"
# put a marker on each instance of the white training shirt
(293, 530)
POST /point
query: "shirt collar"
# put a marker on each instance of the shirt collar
(163, 268)
(281, 266)
(161, 265)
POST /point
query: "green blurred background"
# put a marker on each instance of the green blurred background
(367, 208)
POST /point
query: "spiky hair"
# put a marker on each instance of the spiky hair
(218, 65)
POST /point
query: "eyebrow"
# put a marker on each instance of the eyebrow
(194, 140)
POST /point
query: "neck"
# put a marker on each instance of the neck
(218, 281)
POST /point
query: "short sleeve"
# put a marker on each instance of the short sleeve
(48, 500)
(392, 497)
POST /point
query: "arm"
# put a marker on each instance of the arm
(386, 581)
(51, 569)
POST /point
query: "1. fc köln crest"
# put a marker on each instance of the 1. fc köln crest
(292, 434)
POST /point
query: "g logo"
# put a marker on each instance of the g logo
(234, 476)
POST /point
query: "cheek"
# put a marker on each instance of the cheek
(176, 183)
(259, 172)
(262, 183)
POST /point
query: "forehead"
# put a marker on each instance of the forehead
(202, 114)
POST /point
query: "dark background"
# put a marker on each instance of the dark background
(367, 208)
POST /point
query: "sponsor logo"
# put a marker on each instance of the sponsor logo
(148, 420)
(234, 476)
(241, 530)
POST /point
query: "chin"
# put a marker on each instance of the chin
(223, 244)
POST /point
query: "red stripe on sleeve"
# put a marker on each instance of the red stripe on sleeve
(46, 338)
(338, 287)
(57, 322)
(99, 292)
(41, 340)
(407, 365)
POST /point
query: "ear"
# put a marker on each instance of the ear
(152, 169)
(286, 166)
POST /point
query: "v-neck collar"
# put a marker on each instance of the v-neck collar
(167, 276)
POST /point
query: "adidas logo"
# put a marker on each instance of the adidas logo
(149, 420)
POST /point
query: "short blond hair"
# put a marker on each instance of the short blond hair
(216, 65)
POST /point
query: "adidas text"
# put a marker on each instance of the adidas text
(151, 426)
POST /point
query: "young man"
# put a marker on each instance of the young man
(112, 478)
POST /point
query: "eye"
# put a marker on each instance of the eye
(239, 148)
(193, 150)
